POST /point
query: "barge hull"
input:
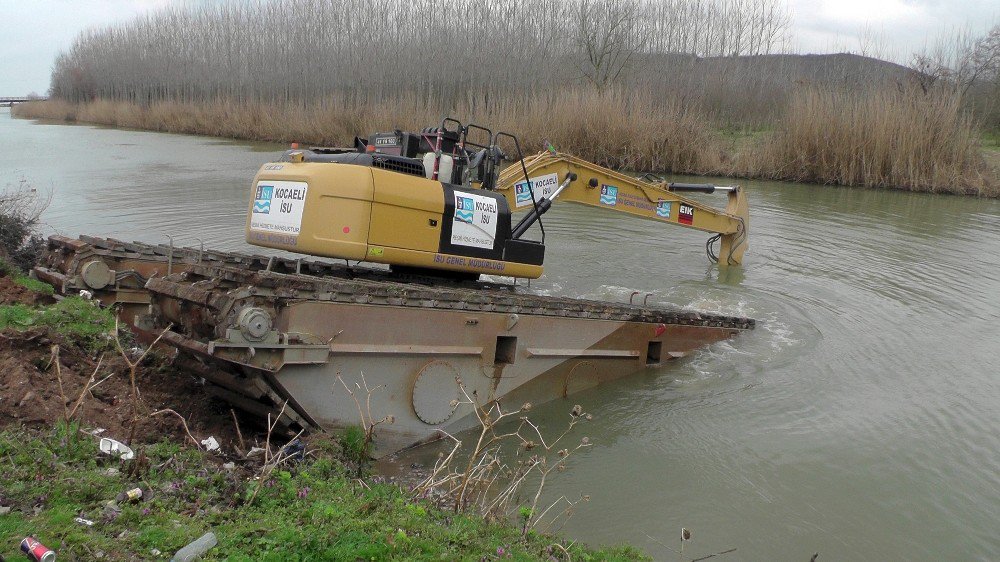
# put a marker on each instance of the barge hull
(324, 348)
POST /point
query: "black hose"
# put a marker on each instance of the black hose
(531, 189)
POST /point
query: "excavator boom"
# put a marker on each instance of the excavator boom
(590, 184)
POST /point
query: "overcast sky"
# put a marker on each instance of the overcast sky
(33, 32)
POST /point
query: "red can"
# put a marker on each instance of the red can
(37, 551)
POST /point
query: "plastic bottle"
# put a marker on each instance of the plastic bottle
(195, 549)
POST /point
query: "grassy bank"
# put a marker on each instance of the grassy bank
(33, 287)
(899, 139)
(309, 511)
(56, 486)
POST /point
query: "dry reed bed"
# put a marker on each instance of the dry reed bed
(900, 139)
(615, 129)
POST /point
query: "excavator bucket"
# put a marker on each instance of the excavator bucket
(732, 246)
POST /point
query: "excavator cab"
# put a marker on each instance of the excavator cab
(445, 152)
(439, 202)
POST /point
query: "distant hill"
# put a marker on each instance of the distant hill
(819, 69)
(839, 67)
(754, 88)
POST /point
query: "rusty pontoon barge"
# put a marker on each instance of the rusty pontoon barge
(287, 337)
(264, 331)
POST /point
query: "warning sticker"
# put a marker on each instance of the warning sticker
(663, 209)
(277, 206)
(543, 186)
(475, 221)
(609, 195)
(685, 214)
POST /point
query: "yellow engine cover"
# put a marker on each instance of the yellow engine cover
(359, 213)
(312, 208)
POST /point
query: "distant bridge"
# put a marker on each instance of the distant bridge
(7, 102)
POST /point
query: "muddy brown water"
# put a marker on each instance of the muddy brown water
(860, 420)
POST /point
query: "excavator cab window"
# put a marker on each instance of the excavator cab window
(476, 168)
(471, 152)
(477, 142)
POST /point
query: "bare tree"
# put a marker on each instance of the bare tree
(959, 61)
(607, 38)
(442, 52)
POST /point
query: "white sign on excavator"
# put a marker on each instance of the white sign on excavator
(543, 186)
(277, 206)
(475, 221)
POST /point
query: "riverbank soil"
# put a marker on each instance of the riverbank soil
(36, 392)
(43, 374)
(12, 292)
(59, 395)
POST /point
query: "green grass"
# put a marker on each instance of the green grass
(77, 319)
(35, 285)
(313, 511)
(738, 138)
(991, 140)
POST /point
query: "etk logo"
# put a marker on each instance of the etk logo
(685, 215)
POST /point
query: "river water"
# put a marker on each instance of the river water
(860, 420)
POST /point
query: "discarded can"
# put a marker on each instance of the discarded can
(133, 495)
(37, 551)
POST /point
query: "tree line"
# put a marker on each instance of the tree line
(437, 52)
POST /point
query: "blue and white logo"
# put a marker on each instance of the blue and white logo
(609, 195)
(521, 193)
(262, 203)
(663, 209)
(464, 209)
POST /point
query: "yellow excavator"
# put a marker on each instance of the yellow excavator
(439, 203)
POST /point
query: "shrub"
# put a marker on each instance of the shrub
(20, 209)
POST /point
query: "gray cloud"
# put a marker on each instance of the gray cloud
(33, 32)
(900, 27)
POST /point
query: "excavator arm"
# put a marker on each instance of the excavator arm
(559, 175)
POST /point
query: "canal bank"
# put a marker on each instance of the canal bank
(73, 383)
